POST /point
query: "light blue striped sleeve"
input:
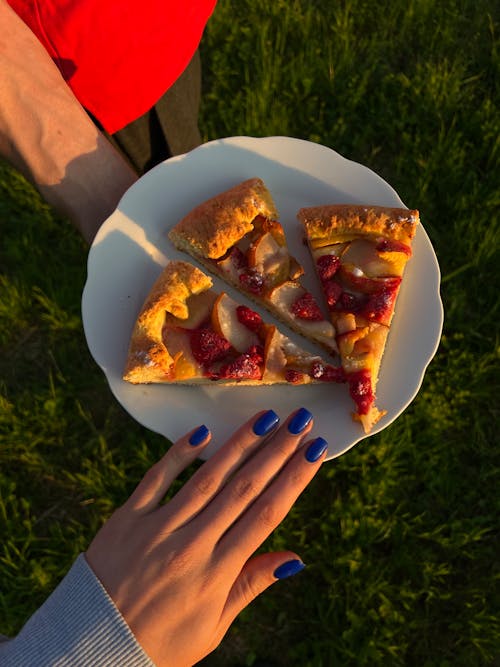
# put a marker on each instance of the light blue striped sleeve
(77, 626)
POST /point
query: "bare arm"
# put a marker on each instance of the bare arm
(48, 136)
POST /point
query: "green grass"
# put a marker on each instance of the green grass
(401, 534)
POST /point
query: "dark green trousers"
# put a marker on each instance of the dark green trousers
(169, 128)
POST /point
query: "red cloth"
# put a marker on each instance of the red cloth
(118, 56)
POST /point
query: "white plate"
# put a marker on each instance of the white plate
(132, 247)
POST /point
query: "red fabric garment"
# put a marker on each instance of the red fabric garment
(118, 56)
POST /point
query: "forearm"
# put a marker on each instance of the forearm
(48, 136)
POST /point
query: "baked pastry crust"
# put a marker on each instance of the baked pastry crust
(341, 222)
(212, 227)
(148, 359)
(187, 333)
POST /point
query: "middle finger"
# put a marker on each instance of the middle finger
(250, 481)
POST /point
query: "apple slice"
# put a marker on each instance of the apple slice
(225, 322)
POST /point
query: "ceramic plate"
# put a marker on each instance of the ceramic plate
(131, 248)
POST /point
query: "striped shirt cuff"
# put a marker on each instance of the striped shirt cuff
(78, 625)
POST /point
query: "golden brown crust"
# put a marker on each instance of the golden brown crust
(214, 226)
(148, 359)
(336, 223)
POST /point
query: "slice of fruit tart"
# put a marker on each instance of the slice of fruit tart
(189, 333)
(236, 236)
(360, 253)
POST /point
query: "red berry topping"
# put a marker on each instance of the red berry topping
(360, 388)
(238, 258)
(380, 305)
(327, 372)
(327, 266)
(306, 308)
(249, 318)
(332, 292)
(350, 302)
(390, 245)
(246, 366)
(208, 346)
(253, 281)
(293, 377)
(257, 353)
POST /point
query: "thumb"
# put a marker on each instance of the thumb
(258, 573)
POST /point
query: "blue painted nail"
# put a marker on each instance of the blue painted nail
(316, 449)
(265, 423)
(299, 421)
(199, 436)
(288, 569)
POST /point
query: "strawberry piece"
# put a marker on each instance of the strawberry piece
(380, 305)
(253, 281)
(350, 302)
(249, 318)
(293, 377)
(390, 245)
(246, 366)
(332, 291)
(327, 266)
(257, 353)
(306, 308)
(238, 258)
(327, 372)
(360, 388)
(208, 346)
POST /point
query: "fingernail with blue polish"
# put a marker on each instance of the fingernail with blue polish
(265, 423)
(199, 436)
(299, 421)
(288, 569)
(316, 449)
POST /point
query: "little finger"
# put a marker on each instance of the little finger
(157, 480)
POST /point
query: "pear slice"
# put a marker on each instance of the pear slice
(200, 306)
(274, 356)
(362, 254)
(185, 365)
(226, 323)
(270, 258)
(284, 296)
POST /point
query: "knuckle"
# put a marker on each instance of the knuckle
(243, 488)
(205, 485)
(298, 477)
(269, 517)
(152, 474)
(248, 590)
(176, 456)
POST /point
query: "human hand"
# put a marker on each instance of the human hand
(181, 572)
